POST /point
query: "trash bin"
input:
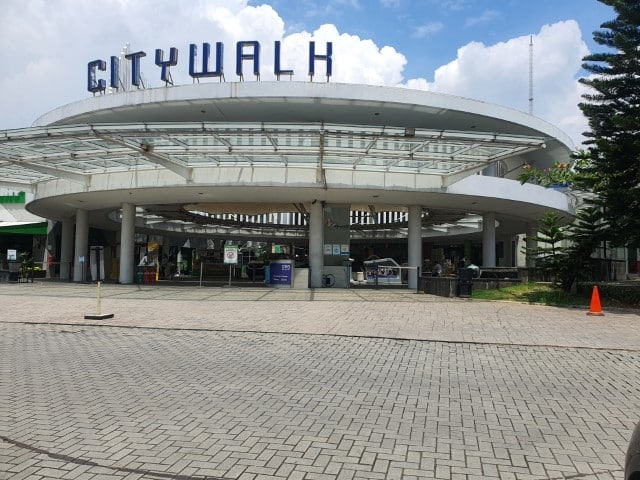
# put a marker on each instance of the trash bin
(465, 282)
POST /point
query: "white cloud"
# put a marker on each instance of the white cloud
(427, 29)
(57, 39)
(45, 47)
(486, 17)
(359, 60)
(450, 5)
(500, 74)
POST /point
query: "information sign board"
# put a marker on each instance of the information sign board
(281, 273)
(231, 254)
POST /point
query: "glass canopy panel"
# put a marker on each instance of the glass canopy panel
(154, 140)
(192, 160)
(291, 140)
(304, 160)
(85, 146)
(198, 140)
(22, 148)
(377, 163)
(103, 148)
(63, 164)
(267, 159)
(110, 164)
(235, 160)
(22, 175)
(489, 150)
(404, 165)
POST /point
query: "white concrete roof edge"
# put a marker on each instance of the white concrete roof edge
(302, 90)
(502, 188)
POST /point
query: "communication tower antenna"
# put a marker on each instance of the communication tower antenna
(530, 74)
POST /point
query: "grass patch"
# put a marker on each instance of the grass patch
(533, 293)
(612, 294)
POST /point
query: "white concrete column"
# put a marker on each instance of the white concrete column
(531, 243)
(489, 240)
(127, 243)
(507, 241)
(50, 250)
(414, 243)
(81, 246)
(316, 246)
(66, 249)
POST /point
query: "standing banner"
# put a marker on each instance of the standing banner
(230, 257)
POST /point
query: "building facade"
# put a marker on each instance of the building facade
(301, 163)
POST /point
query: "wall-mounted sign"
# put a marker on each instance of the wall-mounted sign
(199, 67)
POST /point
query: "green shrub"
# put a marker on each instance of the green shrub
(623, 294)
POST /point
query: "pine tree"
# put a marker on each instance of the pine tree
(549, 255)
(563, 253)
(612, 167)
(585, 235)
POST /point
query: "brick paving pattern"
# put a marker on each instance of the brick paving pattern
(214, 387)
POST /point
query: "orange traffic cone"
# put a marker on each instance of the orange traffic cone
(595, 308)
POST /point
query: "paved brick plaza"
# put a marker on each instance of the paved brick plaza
(230, 383)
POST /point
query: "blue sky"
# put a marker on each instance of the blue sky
(469, 48)
(429, 32)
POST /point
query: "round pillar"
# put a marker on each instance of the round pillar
(66, 249)
(80, 256)
(316, 247)
(414, 244)
(489, 240)
(48, 260)
(127, 243)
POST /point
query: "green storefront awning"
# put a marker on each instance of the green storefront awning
(38, 228)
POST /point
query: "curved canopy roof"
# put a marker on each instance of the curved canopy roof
(377, 145)
(272, 123)
(76, 152)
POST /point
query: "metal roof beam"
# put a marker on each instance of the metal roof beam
(463, 150)
(223, 141)
(419, 146)
(229, 145)
(429, 163)
(457, 176)
(366, 150)
(275, 148)
(272, 141)
(54, 172)
(147, 151)
(185, 172)
(515, 151)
